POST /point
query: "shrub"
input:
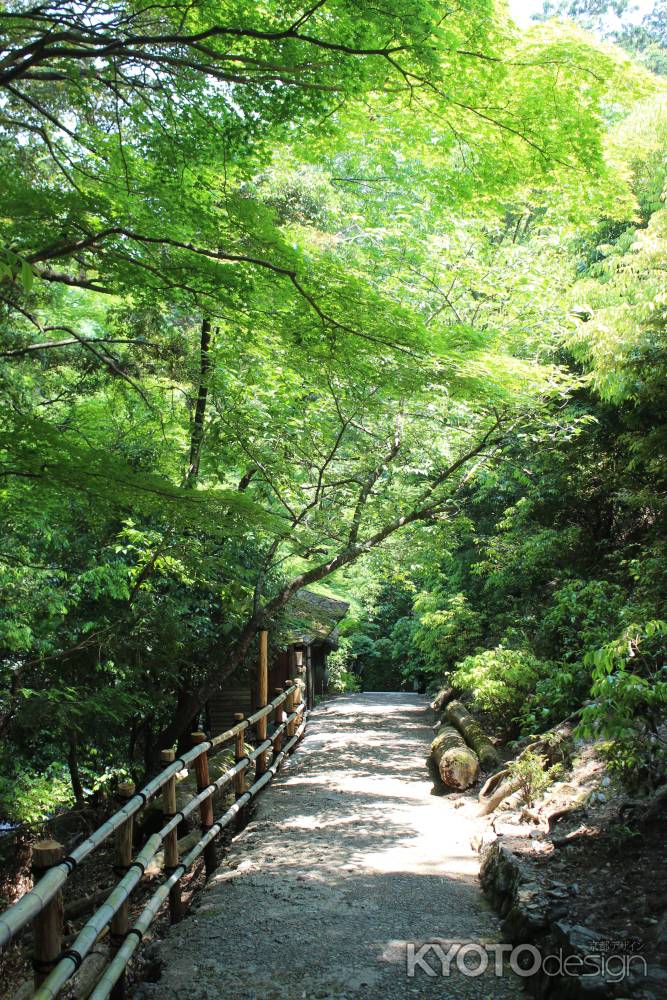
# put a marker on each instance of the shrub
(499, 680)
(340, 676)
(343, 681)
(29, 796)
(557, 694)
(629, 704)
(583, 614)
(448, 628)
(532, 774)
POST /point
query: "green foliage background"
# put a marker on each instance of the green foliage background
(289, 295)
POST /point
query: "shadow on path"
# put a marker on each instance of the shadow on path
(348, 859)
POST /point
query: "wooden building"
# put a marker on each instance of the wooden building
(313, 634)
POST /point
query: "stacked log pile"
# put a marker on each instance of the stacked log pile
(461, 748)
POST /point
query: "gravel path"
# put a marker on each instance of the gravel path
(349, 857)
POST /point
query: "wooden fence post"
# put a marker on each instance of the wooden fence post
(263, 697)
(120, 922)
(48, 924)
(298, 697)
(239, 779)
(310, 679)
(278, 716)
(206, 808)
(171, 840)
(290, 709)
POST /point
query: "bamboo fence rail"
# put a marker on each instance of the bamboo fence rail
(27, 908)
(118, 965)
(39, 905)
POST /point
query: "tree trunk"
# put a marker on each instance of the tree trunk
(73, 766)
(262, 616)
(498, 787)
(190, 702)
(457, 763)
(442, 698)
(197, 435)
(474, 735)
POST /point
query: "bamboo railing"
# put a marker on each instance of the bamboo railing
(42, 906)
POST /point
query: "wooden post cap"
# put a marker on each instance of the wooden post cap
(46, 853)
(239, 716)
(198, 738)
(167, 756)
(125, 790)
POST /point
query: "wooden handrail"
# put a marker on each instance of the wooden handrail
(117, 966)
(40, 897)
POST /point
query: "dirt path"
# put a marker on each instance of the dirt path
(349, 857)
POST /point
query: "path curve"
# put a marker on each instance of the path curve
(349, 857)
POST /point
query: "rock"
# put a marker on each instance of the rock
(512, 830)
(575, 938)
(653, 984)
(483, 840)
(508, 883)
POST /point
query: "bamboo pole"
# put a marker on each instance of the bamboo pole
(48, 924)
(262, 712)
(123, 856)
(71, 960)
(171, 841)
(228, 735)
(148, 914)
(278, 721)
(90, 932)
(48, 888)
(262, 696)
(206, 807)
(31, 903)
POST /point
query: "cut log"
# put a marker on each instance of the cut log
(459, 716)
(456, 762)
(442, 698)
